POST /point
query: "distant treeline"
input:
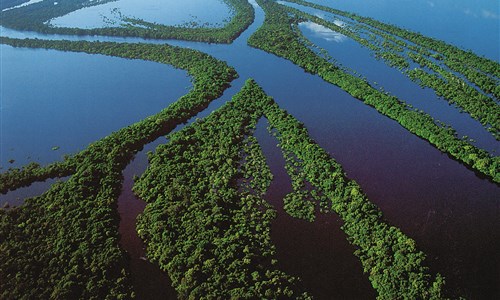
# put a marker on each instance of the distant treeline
(463, 78)
(36, 17)
(278, 37)
(10, 3)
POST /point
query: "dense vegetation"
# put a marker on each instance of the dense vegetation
(256, 173)
(209, 234)
(34, 17)
(211, 78)
(64, 243)
(277, 36)
(212, 235)
(303, 200)
(391, 259)
(479, 70)
(206, 222)
(430, 72)
(33, 172)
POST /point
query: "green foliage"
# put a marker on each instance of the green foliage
(33, 172)
(256, 172)
(211, 77)
(277, 36)
(209, 234)
(449, 86)
(398, 53)
(301, 203)
(64, 244)
(297, 206)
(393, 263)
(479, 70)
(35, 17)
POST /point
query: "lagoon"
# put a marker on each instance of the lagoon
(213, 13)
(68, 100)
(450, 212)
(469, 24)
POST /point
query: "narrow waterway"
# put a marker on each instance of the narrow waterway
(317, 252)
(451, 213)
(446, 208)
(469, 24)
(149, 281)
(352, 55)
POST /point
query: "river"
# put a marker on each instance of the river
(451, 212)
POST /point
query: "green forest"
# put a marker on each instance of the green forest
(277, 37)
(207, 222)
(35, 17)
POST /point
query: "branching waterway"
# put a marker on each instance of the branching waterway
(450, 212)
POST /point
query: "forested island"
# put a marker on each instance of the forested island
(207, 222)
(35, 17)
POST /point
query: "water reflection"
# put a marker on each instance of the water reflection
(323, 32)
(335, 21)
(23, 4)
(68, 100)
(433, 199)
(470, 24)
(187, 13)
(489, 14)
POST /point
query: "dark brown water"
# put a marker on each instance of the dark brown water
(451, 213)
(317, 252)
(149, 281)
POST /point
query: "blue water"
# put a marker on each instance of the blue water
(211, 13)
(352, 55)
(51, 98)
(433, 199)
(68, 100)
(24, 3)
(451, 213)
(470, 24)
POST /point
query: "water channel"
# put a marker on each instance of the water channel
(451, 212)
